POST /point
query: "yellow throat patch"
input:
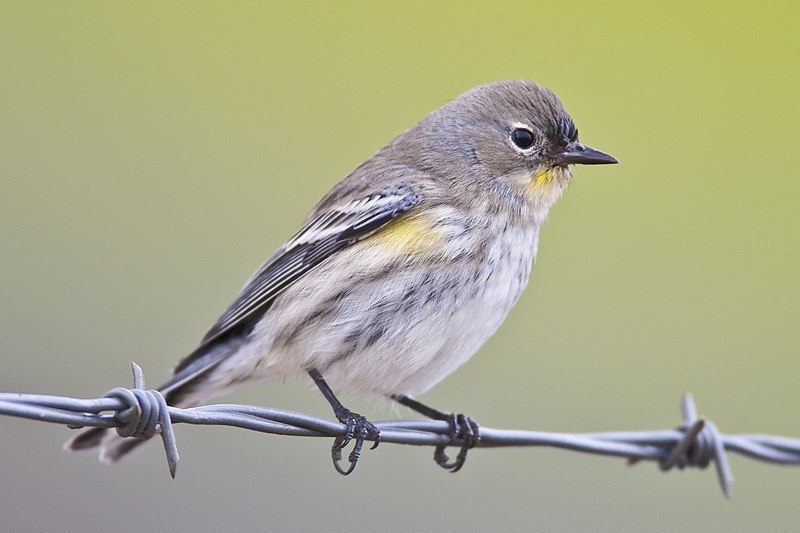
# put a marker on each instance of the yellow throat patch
(545, 178)
(546, 185)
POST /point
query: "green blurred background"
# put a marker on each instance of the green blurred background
(151, 156)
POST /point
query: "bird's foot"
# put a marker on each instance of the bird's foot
(359, 429)
(466, 430)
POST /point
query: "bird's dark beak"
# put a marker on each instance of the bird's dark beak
(578, 154)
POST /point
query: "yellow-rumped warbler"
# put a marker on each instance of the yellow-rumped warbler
(402, 271)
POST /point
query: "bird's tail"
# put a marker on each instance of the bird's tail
(184, 389)
(112, 446)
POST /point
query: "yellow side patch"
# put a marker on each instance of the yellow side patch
(410, 235)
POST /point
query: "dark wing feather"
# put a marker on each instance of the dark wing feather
(323, 236)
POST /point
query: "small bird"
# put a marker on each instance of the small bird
(401, 272)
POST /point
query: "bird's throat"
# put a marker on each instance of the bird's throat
(546, 185)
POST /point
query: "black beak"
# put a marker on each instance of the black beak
(578, 154)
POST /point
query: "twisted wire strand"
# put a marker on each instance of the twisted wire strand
(141, 413)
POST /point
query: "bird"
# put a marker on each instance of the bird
(401, 272)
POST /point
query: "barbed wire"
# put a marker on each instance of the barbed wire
(140, 413)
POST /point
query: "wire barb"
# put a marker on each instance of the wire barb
(145, 413)
(141, 413)
(701, 444)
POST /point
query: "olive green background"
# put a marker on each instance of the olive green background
(152, 156)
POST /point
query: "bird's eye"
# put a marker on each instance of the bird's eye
(522, 137)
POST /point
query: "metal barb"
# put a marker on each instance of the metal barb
(152, 402)
(701, 444)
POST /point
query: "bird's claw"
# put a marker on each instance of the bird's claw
(357, 428)
(466, 430)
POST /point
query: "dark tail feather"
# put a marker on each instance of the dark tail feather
(112, 446)
(86, 440)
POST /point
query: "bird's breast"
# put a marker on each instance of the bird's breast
(418, 300)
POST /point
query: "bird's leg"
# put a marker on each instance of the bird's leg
(461, 427)
(358, 427)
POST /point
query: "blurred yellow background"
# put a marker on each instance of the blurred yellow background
(152, 156)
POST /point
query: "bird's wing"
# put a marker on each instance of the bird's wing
(328, 232)
(331, 230)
